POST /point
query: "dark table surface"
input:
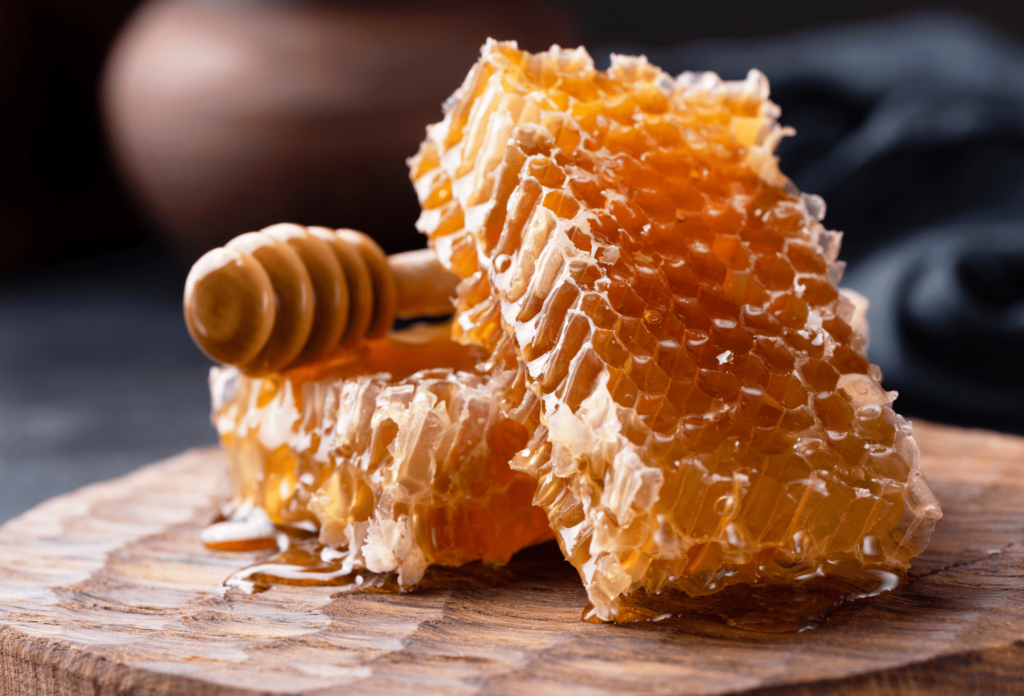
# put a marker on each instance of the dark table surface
(97, 375)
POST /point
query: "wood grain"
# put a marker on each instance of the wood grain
(108, 591)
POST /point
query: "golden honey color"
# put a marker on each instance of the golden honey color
(705, 412)
(396, 453)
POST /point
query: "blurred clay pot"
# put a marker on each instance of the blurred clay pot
(229, 116)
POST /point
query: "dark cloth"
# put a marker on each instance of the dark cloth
(913, 132)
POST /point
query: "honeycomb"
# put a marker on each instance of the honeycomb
(707, 415)
(398, 455)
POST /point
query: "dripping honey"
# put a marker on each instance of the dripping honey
(299, 559)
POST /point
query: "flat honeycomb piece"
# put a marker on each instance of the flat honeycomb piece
(708, 414)
(397, 471)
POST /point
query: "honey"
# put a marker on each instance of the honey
(650, 362)
(392, 458)
(706, 415)
(302, 560)
(765, 608)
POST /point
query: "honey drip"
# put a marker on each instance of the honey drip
(707, 416)
(771, 608)
(300, 559)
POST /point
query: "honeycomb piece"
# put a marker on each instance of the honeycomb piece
(398, 471)
(708, 413)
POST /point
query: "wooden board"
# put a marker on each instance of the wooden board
(107, 590)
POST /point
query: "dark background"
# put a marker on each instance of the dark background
(97, 374)
(61, 198)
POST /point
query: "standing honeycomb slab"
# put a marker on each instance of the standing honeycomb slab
(398, 455)
(708, 416)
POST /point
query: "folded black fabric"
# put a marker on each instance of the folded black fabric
(913, 131)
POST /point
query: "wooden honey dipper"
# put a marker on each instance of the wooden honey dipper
(289, 294)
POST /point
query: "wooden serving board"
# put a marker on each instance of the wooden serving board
(107, 590)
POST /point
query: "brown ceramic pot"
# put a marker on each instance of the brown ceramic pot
(229, 116)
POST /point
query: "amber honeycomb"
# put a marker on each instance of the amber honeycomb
(400, 467)
(708, 416)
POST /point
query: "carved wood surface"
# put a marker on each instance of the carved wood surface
(107, 590)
